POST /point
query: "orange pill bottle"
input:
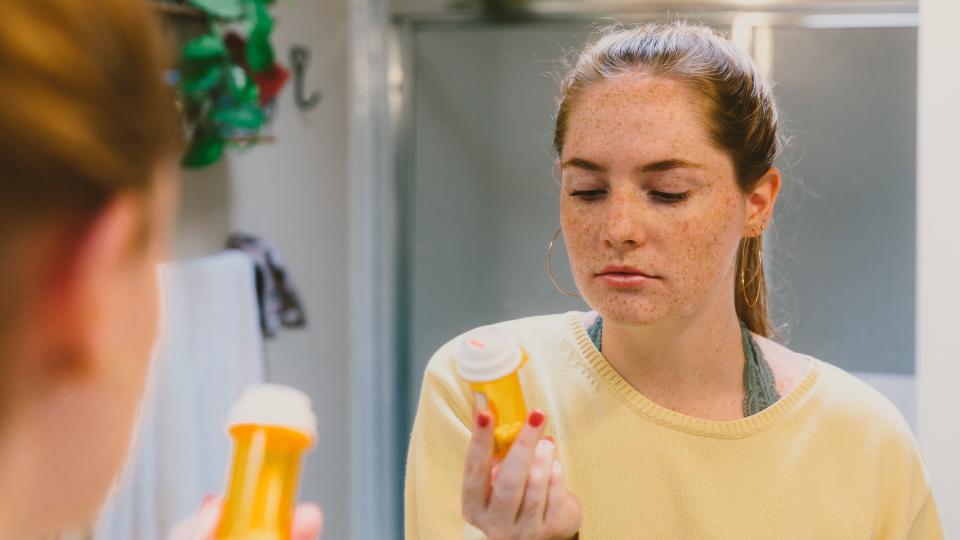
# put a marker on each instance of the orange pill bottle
(272, 426)
(490, 359)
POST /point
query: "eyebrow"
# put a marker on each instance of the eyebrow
(668, 164)
(584, 164)
(656, 166)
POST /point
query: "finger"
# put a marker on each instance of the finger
(476, 474)
(200, 526)
(494, 471)
(512, 478)
(538, 481)
(556, 493)
(562, 514)
(307, 522)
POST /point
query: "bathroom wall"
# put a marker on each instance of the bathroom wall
(938, 255)
(293, 193)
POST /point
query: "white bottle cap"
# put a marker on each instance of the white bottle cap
(275, 405)
(488, 354)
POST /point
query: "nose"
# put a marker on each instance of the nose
(625, 229)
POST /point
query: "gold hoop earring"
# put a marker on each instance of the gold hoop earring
(743, 266)
(553, 278)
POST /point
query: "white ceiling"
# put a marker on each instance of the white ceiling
(439, 6)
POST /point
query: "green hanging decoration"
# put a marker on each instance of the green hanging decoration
(228, 78)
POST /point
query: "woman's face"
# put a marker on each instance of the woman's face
(651, 212)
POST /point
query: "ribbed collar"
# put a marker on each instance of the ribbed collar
(731, 429)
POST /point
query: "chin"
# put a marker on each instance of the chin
(628, 309)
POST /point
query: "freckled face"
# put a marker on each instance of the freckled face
(650, 208)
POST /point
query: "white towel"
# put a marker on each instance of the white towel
(210, 348)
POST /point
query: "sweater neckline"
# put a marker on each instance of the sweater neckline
(726, 429)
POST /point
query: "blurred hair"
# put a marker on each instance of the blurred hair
(85, 114)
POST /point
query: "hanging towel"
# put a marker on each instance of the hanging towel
(279, 302)
(210, 348)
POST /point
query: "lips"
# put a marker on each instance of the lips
(624, 277)
(620, 269)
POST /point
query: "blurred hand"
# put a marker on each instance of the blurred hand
(522, 497)
(307, 522)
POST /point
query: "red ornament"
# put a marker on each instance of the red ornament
(271, 82)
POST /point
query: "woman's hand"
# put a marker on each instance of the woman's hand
(522, 497)
(307, 522)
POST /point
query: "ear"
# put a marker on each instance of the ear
(760, 203)
(86, 271)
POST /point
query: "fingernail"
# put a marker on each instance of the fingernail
(483, 419)
(536, 418)
(550, 438)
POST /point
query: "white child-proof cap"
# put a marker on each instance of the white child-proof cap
(277, 406)
(488, 354)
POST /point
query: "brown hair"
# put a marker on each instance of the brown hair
(84, 113)
(740, 111)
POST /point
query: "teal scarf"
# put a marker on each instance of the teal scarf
(761, 388)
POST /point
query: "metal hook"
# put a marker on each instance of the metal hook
(299, 56)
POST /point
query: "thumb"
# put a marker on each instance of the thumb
(201, 525)
(307, 522)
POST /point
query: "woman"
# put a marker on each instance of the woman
(88, 143)
(667, 412)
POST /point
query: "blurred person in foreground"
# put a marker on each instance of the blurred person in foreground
(88, 188)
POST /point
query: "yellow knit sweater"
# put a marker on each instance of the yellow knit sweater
(833, 459)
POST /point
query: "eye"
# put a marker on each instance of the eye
(589, 194)
(669, 198)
